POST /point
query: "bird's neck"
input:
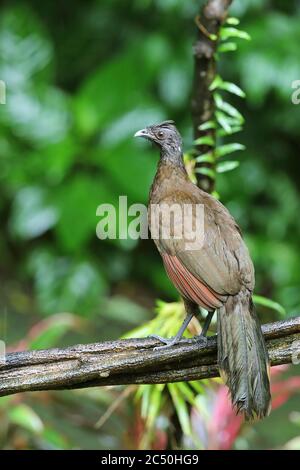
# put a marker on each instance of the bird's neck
(174, 158)
(170, 174)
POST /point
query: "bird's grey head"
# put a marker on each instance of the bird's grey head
(166, 137)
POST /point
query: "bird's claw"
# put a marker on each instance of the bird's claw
(201, 339)
(169, 342)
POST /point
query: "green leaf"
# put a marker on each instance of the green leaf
(199, 389)
(207, 125)
(234, 130)
(232, 21)
(216, 195)
(206, 171)
(227, 108)
(232, 111)
(230, 32)
(227, 166)
(213, 37)
(228, 86)
(145, 391)
(218, 99)
(181, 409)
(217, 81)
(232, 88)
(223, 121)
(154, 405)
(227, 47)
(205, 140)
(24, 416)
(187, 392)
(228, 148)
(260, 300)
(205, 158)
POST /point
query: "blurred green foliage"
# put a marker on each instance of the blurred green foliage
(80, 81)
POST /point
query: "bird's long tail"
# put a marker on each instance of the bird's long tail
(242, 356)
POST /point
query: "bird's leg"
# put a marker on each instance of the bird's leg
(191, 309)
(202, 337)
(207, 323)
(168, 342)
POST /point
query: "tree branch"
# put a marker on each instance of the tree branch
(211, 18)
(131, 361)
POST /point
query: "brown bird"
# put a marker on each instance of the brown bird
(217, 275)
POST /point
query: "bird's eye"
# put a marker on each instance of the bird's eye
(160, 134)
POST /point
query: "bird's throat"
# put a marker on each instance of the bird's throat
(174, 158)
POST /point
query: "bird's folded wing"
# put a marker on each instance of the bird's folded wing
(222, 264)
(189, 286)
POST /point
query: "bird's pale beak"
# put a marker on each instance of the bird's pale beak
(142, 133)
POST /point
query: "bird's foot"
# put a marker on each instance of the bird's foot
(167, 342)
(201, 339)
